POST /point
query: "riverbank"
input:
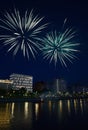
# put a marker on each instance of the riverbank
(35, 100)
(20, 100)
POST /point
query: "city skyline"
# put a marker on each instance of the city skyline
(54, 13)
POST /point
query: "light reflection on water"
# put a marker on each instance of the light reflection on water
(27, 115)
(4, 115)
(69, 106)
(81, 105)
(26, 110)
(12, 110)
(36, 110)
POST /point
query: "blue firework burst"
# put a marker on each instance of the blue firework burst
(60, 46)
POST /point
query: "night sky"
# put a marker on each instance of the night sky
(54, 12)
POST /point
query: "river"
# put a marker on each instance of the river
(52, 115)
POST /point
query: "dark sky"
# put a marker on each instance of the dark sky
(55, 12)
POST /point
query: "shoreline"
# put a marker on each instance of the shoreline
(4, 100)
(37, 100)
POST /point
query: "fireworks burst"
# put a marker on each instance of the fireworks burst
(20, 32)
(60, 46)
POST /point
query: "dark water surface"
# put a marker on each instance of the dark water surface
(52, 115)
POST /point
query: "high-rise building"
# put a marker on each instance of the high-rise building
(22, 81)
(60, 85)
(57, 85)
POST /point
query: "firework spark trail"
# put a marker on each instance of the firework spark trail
(20, 32)
(60, 46)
